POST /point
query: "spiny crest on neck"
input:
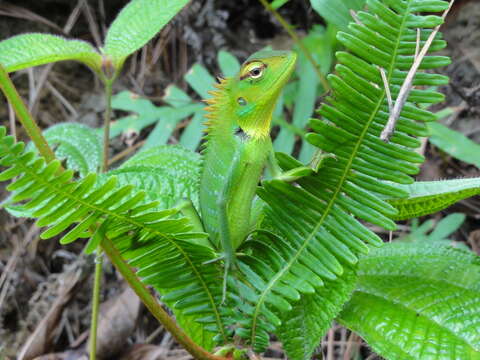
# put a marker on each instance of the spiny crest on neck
(215, 104)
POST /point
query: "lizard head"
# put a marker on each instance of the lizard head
(255, 89)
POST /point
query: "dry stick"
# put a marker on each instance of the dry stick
(408, 83)
(126, 152)
(92, 24)
(294, 36)
(11, 119)
(72, 19)
(22, 13)
(330, 346)
(62, 99)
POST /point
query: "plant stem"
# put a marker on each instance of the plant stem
(24, 116)
(106, 124)
(148, 299)
(294, 36)
(153, 306)
(95, 305)
(99, 258)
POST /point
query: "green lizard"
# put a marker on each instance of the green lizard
(238, 147)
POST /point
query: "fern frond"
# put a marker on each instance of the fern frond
(319, 217)
(159, 244)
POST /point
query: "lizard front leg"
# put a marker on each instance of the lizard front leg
(225, 231)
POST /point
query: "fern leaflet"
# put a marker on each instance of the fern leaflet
(319, 217)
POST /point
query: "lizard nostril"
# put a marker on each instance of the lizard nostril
(241, 101)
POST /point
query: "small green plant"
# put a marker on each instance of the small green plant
(308, 258)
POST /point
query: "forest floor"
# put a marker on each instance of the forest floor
(45, 288)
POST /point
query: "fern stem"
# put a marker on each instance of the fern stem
(95, 305)
(153, 306)
(35, 134)
(24, 116)
(296, 39)
(107, 119)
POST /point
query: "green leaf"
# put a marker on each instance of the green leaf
(305, 325)
(76, 143)
(166, 174)
(27, 50)
(176, 97)
(193, 134)
(447, 226)
(337, 12)
(417, 301)
(228, 63)
(165, 117)
(455, 143)
(200, 80)
(277, 4)
(137, 23)
(428, 197)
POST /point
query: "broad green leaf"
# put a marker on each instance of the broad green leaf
(447, 226)
(78, 144)
(137, 23)
(228, 63)
(337, 12)
(167, 174)
(200, 80)
(176, 97)
(441, 231)
(193, 134)
(167, 124)
(455, 143)
(165, 117)
(27, 50)
(417, 301)
(428, 197)
(304, 326)
(276, 4)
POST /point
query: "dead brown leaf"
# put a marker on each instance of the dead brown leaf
(41, 339)
(67, 355)
(146, 352)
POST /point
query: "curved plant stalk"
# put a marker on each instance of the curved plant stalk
(296, 39)
(107, 246)
(153, 306)
(24, 116)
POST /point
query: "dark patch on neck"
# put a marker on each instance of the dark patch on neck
(241, 134)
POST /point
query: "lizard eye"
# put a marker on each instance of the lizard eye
(256, 72)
